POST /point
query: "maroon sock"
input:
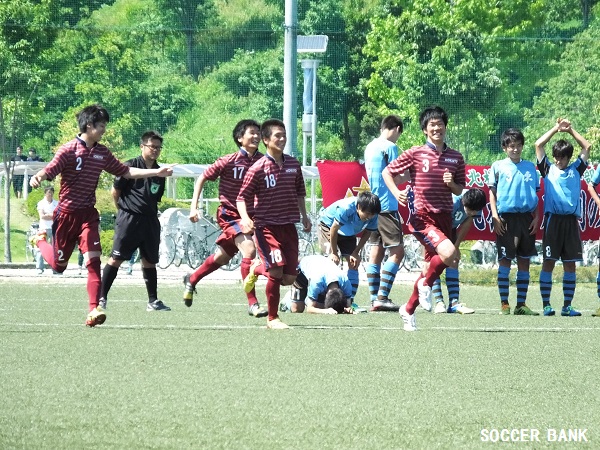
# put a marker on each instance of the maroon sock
(260, 270)
(273, 296)
(413, 301)
(436, 267)
(208, 266)
(93, 282)
(245, 270)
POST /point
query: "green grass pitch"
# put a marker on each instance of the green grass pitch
(211, 377)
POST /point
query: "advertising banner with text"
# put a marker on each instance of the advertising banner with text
(345, 179)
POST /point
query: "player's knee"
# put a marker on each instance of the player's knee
(297, 307)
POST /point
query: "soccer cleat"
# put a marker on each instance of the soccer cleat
(96, 316)
(424, 295)
(460, 308)
(596, 313)
(357, 309)
(440, 308)
(157, 305)
(384, 305)
(40, 271)
(569, 312)
(251, 279)
(39, 236)
(277, 324)
(548, 311)
(188, 291)
(256, 311)
(505, 309)
(102, 303)
(410, 323)
(525, 311)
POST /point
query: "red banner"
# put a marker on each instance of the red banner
(344, 179)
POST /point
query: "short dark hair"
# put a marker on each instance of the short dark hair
(368, 202)
(430, 113)
(150, 135)
(562, 148)
(335, 298)
(512, 136)
(474, 199)
(48, 188)
(91, 115)
(390, 122)
(266, 129)
(240, 129)
(31, 149)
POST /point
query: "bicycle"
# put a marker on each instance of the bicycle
(185, 246)
(31, 250)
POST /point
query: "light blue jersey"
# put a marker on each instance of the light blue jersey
(378, 154)
(320, 272)
(596, 176)
(516, 186)
(562, 188)
(459, 215)
(344, 212)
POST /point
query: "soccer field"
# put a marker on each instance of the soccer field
(211, 377)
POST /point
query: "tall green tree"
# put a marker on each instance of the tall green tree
(573, 91)
(24, 37)
(188, 16)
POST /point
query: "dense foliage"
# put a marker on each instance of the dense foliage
(191, 68)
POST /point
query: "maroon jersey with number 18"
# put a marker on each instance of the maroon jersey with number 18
(274, 191)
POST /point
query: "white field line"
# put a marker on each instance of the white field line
(308, 327)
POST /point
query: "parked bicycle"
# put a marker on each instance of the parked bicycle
(30, 250)
(189, 244)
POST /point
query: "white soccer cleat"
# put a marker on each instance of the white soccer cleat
(424, 295)
(440, 308)
(460, 308)
(410, 323)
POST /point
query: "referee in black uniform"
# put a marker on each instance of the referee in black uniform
(137, 223)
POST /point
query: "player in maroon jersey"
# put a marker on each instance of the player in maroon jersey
(275, 186)
(76, 220)
(436, 172)
(230, 171)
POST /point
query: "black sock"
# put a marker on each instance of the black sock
(108, 277)
(151, 280)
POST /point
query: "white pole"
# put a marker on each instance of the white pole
(290, 61)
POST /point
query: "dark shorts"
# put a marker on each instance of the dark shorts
(389, 230)
(68, 229)
(431, 230)
(562, 239)
(301, 284)
(229, 221)
(346, 244)
(136, 231)
(277, 246)
(516, 241)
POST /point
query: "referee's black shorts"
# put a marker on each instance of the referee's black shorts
(134, 231)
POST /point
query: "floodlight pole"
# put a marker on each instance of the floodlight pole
(290, 62)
